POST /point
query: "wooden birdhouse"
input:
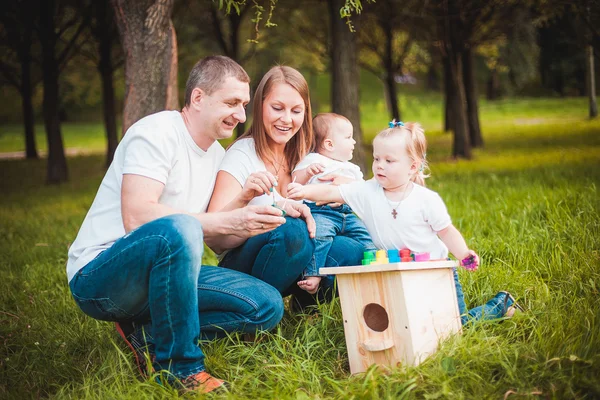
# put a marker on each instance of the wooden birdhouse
(396, 313)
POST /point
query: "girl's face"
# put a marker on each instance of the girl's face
(283, 113)
(392, 167)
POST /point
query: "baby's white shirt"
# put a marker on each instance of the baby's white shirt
(344, 168)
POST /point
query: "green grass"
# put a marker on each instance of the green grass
(528, 203)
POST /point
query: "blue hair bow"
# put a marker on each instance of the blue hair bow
(395, 124)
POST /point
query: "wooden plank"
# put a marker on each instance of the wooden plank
(402, 266)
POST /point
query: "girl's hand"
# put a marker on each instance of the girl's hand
(336, 179)
(471, 261)
(314, 169)
(295, 191)
(257, 184)
(297, 210)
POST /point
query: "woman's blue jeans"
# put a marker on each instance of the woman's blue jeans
(280, 256)
(495, 308)
(154, 275)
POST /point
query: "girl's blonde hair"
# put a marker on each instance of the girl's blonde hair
(416, 147)
(301, 143)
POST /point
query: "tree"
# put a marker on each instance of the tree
(17, 63)
(104, 31)
(150, 46)
(386, 37)
(59, 29)
(345, 76)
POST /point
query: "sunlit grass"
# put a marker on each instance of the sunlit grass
(528, 203)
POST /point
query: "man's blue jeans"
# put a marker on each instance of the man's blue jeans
(332, 222)
(279, 257)
(493, 309)
(154, 275)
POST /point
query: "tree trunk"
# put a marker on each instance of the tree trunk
(150, 45)
(108, 100)
(493, 86)
(471, 97)
(461, 146)
(448, 123)
(57, 171)
(591, 81)
(27, 101)
(390, 83)
(345, 76)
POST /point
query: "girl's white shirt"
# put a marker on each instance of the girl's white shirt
(420, 216)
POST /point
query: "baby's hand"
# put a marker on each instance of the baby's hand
(314, 169)
(470, 262)
(295, 191)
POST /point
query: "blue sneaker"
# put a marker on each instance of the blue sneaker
(140, 343)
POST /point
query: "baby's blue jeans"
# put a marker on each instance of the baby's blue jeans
(332, 222)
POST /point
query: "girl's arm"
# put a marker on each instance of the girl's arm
(321, 193)
(454, 241)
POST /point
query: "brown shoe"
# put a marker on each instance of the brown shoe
(202, 382)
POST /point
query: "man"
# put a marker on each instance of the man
(137, 257)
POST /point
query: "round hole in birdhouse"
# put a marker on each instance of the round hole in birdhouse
(376, 317)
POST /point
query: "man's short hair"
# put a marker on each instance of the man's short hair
(322, 127)
(210, 72)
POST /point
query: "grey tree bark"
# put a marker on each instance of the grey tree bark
(150, 45)
(591, 81)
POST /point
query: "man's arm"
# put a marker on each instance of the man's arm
(139, 205)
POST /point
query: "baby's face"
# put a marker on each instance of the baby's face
(343, 142)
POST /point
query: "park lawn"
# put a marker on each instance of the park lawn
(528, 203)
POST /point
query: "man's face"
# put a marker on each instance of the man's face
(223, 109)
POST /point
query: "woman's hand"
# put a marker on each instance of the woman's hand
(296, 210)
(295, 191)
(257, 184)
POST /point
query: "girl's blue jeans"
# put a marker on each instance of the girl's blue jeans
(493, 309)
(153, 276)
(332, 222)
(279, 257)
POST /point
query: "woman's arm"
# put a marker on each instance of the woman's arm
(324, 193)
(229, 195)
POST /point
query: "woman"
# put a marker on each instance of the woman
(261, 160)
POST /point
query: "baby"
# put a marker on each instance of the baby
(334, 147)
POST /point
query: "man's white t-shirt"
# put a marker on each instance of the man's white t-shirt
(240, 161)
(159, 147)
(343, 168)
(420, 215)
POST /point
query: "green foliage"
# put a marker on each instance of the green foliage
(529, 204)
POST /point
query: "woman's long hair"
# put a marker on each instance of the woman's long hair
(301, 143)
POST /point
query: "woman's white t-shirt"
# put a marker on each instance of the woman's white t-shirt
(240, 161)
(420, 216)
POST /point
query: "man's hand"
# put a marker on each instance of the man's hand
(296, 210)
(314, 169)
(255, 220)
(295, 191)
(257, 184)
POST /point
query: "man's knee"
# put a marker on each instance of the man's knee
(182, 233)
(270, 304)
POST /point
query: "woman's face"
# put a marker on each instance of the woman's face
(283, 113)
